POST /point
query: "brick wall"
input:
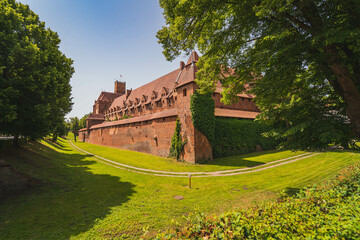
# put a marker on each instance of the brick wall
(197, 149)
(153, 136)
(245, 104)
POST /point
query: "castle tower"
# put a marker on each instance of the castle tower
(120, 87)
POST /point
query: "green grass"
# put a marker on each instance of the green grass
(78, 197)
(148, 161)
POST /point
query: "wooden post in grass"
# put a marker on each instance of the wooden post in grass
(190, 181)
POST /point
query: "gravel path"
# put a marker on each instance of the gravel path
(230, 172)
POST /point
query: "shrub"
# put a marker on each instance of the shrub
(177, 145)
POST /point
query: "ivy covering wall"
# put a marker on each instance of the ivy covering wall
(202, 108)
(234, 136)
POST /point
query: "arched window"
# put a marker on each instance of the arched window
(184, 92)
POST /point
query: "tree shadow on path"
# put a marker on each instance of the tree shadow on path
(67, 200)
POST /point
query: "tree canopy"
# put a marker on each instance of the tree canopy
(75, 126)
(302, 54)
(82, 121)
(35, 92)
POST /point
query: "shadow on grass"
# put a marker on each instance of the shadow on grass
(68, 200)
(58, 145)
(239, 160)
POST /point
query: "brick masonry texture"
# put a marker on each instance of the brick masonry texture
(154, 108)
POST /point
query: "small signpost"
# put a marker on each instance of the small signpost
(190, 181)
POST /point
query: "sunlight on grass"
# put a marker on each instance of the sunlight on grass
(78, 197)
(148, 161)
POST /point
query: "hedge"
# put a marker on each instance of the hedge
(234, 136)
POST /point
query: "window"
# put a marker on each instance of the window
(184, 92)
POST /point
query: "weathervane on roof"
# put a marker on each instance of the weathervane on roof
(119, 80)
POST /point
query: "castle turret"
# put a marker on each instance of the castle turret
(120, 87)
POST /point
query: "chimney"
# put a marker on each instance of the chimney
(120, 87)
(182, 65)
(128, 91)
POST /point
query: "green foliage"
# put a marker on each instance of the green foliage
(177, 144)
(82, 121)
(75, 126)
(235, 137)
(326, 211)
(290, 48)
(309, 119)
(35, 92)
(202, 108)
(126, 116)
(60, 130)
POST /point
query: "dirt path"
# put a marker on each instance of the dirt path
(197, 174)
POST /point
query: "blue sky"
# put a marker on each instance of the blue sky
(106, 39)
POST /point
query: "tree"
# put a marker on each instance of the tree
(75, 126)
(60, 130)
(177, 144)
(82, 121)
(35, 91)
(293, 49)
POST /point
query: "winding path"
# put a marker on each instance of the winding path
(230, 172)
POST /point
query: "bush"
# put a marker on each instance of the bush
(234, 136)
(326, 211)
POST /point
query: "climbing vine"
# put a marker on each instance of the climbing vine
(177, 145)
(202, 108)
(234, 136)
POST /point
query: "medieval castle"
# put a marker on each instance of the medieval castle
(144, 119)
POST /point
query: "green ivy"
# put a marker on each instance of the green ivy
(177, 145)
(202, 108)
(234, 136)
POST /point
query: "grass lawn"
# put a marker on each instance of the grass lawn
(78, 197)
(148, 161)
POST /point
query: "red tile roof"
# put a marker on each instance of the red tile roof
(219, 88)
(107, 96)
(187, 75)
(94, 116)
(222, 112)
(194, 57)
(166, 113)
(167, 81)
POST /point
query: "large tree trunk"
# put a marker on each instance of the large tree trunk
(349, 91)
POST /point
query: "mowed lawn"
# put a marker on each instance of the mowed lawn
(147, 161)
(78, 197)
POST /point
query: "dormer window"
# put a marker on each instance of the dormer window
(153, 95)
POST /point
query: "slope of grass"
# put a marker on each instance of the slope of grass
(80, 198)
(148, 161)
(329, 210)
